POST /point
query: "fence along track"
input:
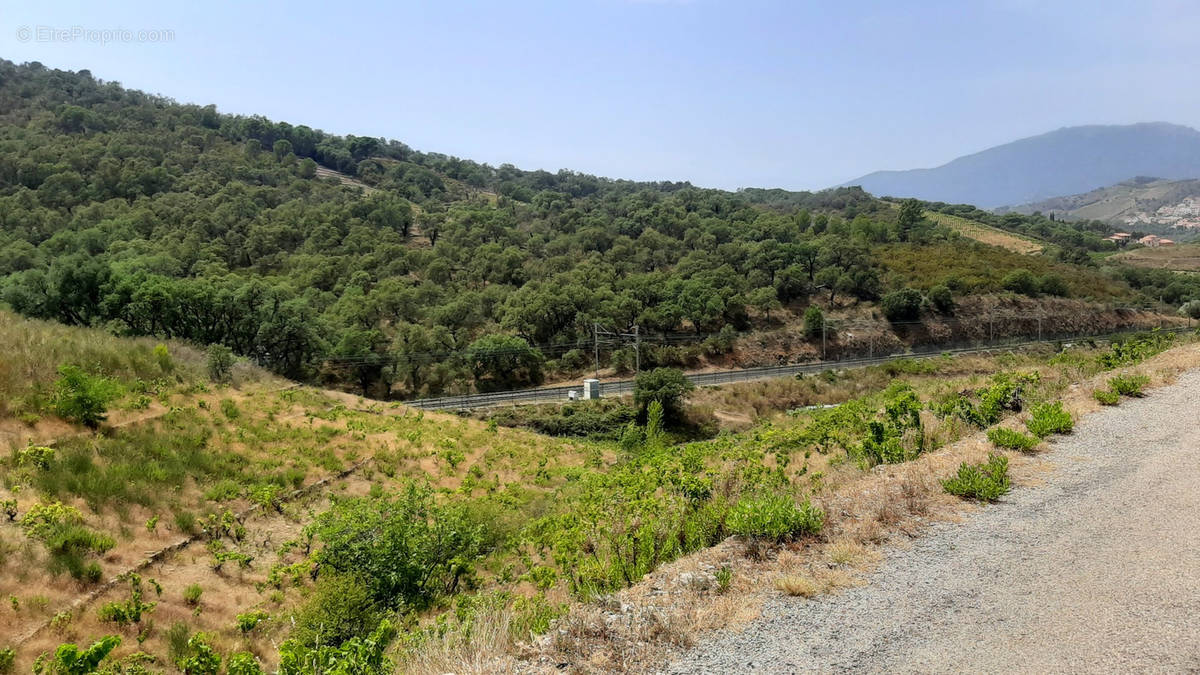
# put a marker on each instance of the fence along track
(619, 387)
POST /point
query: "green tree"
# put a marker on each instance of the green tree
(764, 300)
(219, 361)
(501, 362)
(814, 322)
(666, 386)
(909, 219)
(902, 305)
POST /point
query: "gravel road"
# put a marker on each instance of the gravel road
(1096, 570)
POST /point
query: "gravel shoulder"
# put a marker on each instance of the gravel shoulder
(1096, 569)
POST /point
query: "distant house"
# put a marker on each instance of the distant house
(1119, 238)
(1151, 241)
(1165, 242)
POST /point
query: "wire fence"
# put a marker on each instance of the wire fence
(838, 358)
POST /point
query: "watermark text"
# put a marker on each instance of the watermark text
(101, 36)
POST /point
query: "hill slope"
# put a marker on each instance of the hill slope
(1063, 162)
(1146, 204)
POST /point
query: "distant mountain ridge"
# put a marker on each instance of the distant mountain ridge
(1067, 161)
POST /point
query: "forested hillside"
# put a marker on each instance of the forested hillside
(149, 217)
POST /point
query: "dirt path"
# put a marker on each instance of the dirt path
(1096, 570)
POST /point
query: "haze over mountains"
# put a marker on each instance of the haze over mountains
(1067, 161)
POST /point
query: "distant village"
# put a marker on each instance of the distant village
(1184, 215)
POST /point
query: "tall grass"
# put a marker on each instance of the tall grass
(33, 350)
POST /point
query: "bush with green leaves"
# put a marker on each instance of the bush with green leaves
(902, 305)
(941, 298)
(1049, 418)
(340, 607)
(130, 611)
(67, 539)
(774, 516)
(199, 658)
(243, 663)
(356, 656)
(814, 322)
(7, 657)
(1128, 385)
(885, 441)
(82, 398)
(412, 548)
(1006, 391)
(984, 482)
(1106, 396)
(1012, 439)
(1135, 349)
(667, 386)
(219, 361)
(39, 457)
(69, 659)
(247, 621)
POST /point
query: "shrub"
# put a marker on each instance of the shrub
(1050, 418)
(409, 547)
(35, 456)
(1190, 310)
(1135, 349)
(246, 622)
(69, 659)
(1012, 439)
(1020, 281)
(131, 611)
(220, 362)
(1128, 385)
(774, 516)
(884, 442)
(340, 607)
(199, 658)
(1106, 396)
(82, 398)
(1006, 392)
(242, 663)
(814, 322)
(163, 357)
(985, 482)
(61, 529)
(358, 655)
(7, 657)
(724, 577)
(902, 305)
(667, 386)
(1053, 284)
(942, 299)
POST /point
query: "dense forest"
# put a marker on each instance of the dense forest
(412, 273)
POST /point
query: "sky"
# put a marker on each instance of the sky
(729, 94)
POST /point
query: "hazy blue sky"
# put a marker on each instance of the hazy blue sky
(721, 93)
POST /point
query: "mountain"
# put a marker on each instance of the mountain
(1067, 161)
(1142, 203)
